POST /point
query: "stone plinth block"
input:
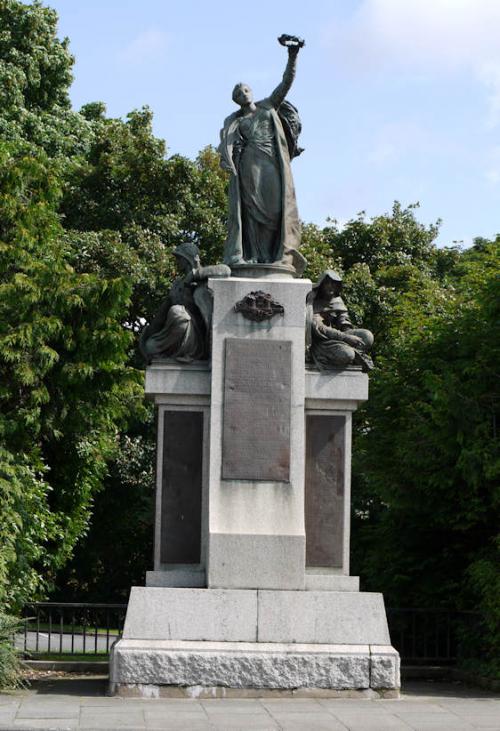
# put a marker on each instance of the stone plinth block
(330, 617)
(245, 615)
(191, 614)
(336, 389)
(166, 379)
(385, 667)
(257, 561)
(148, 668)
(239, 665)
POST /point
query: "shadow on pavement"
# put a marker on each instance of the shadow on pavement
(79, 686)
(96, 686)
(451, 689)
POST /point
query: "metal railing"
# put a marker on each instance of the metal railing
(422, 636)
(70, 628)
(434, 636)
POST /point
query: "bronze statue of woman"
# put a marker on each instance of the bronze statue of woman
(257, 144)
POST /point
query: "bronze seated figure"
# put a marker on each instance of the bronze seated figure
(332, 340)
(181, 328)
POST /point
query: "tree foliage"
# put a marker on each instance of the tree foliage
(126, 185)
(428, 469)
(64, 382)
(10, 657)
(35, 76)
(119, 547)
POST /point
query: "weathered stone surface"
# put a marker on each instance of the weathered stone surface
(252, 666)
(246, 615)
(326, 617)
(348, 387)
(244, 561)
(191, 614)
(324, 489)
(165, 381)
(256, 419)
(325, 580)
(384, 667)
(181, 487)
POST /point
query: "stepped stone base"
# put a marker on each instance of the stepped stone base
(145, 667)
(207, 640)
(256, 615)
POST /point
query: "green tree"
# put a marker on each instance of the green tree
(35, 76)
(427, 453)
(118, 549)
(126, 205)
(387, 240)
(65, 386)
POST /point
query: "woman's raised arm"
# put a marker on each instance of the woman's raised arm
(279, 94)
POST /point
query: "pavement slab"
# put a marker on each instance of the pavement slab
(237, 721)
(181, 724)
(423, 721)
(292, 705)
(234, 705)
(299, 722)
(46, 723)
(45, 710)
(73, 706)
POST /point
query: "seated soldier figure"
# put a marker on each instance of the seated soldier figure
(181, 328)
(332, 340)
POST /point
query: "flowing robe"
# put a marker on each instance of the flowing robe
(263, 221)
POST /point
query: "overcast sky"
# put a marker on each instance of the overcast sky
(399, 99)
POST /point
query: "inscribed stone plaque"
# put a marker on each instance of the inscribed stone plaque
(256, 427)
(324, 490)
(181, 487)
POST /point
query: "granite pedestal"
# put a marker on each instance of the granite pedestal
(251, 586)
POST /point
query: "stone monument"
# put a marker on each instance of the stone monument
(251, 592)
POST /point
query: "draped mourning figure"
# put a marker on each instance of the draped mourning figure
(181, 328)
(332, 340)
(257, 143)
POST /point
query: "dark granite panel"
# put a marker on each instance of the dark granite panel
(256, 426)
(181, 487)
(324, 490)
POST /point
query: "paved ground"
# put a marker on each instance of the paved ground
(81, 704)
